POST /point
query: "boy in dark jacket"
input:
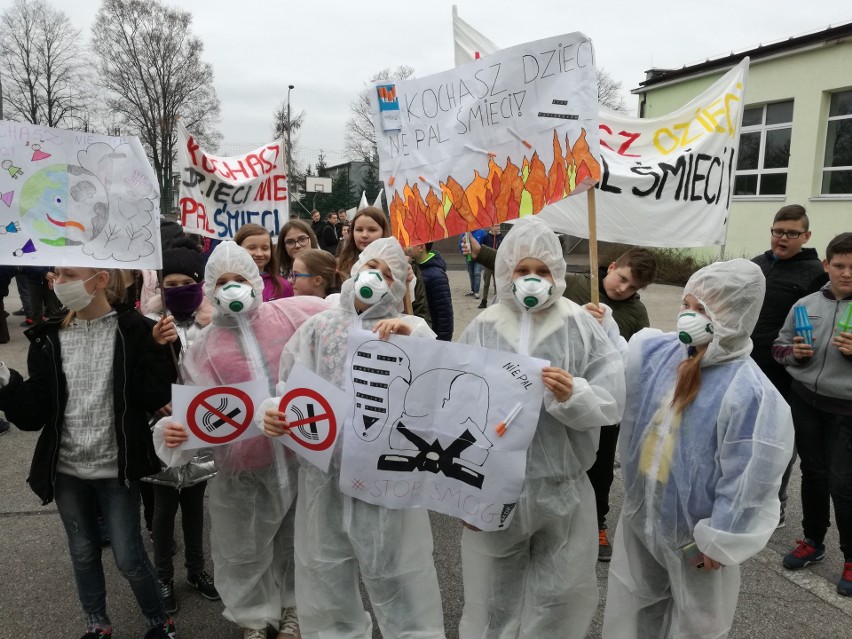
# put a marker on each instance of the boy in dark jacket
(791, 272)
(433, 269)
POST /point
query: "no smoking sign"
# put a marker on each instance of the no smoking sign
(311, 418)
(220, 415)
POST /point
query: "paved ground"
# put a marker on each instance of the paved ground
(37, 597)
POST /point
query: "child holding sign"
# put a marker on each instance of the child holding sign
(338, 536)
(250, 502)
(94, 377)
(537, 577)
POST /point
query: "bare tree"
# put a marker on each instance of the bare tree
(360, 131)
(151, 66)
(41, 63)
(609, 91)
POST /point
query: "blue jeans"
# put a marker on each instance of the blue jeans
(474, 271)
(78, 501)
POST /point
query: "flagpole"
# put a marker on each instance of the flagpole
(593, 246)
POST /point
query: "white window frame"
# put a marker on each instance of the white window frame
(831, 169)
(763, 128)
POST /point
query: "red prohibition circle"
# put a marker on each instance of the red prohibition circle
(328, 415)
(199, 401)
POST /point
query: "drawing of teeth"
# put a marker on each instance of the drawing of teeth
(375, 366)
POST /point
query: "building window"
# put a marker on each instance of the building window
(837, 167)
(764, 152)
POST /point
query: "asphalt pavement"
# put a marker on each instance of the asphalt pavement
(38, 599)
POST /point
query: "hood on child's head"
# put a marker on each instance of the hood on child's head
(390, 252)
(529, 237)
(230, 257)
(732, 295)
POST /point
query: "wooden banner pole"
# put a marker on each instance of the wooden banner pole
(593, 246)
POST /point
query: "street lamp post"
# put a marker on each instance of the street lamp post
(289, 155)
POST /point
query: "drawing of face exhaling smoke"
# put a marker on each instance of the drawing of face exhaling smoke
(461, 414)
(376, 367)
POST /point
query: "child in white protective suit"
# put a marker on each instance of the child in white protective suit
(537, 578)
(336, 535)
(704, 442)
(251, 500)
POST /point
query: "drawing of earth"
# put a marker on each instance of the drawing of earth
(63, 205)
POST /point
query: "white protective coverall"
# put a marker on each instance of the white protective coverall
(710, 474)
(537, 578)
(250, 502)
(336, 535)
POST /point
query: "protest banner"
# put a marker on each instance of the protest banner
(489, 141)
(217, 415)
(425, 430)
(69, 198)
(220, 194)
(666, 181)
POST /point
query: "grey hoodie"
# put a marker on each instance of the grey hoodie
(829, 372)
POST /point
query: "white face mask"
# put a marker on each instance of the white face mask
(532, 291)
(370, 286)
(234, 298)
(73, 294)
(694, 329)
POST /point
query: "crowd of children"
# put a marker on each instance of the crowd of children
(705, 436)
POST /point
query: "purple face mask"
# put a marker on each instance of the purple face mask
(182, 301)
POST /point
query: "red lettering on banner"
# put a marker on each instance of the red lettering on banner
(192, 147)
(255, 164)
(272, 188)
(188, 207)
(622, 150)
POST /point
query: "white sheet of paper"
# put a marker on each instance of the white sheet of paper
(217, 415)
(69, 198)
(422, 432)
(316, 410)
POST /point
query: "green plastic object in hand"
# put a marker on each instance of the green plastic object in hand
(845, 323)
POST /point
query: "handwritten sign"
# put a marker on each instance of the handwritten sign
(666, 181)
(220, 194)
(69, 198)
(425, 427)
(489, 141)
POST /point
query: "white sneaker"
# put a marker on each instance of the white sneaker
(252, 633)
(289, 628)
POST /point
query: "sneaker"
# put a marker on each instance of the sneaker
(252, 633)
(4, 426)
(844, 586)
(167, 592)
(20, 313)
(483, 303)
(165, 630)
(289, 628)
(469, 294)
(807, 552)
(27, 322)
(97, 633)
(781, 521)
(476, 296)
(604, 549)
(204, 584)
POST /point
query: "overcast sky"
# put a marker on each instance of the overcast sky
(328, 50)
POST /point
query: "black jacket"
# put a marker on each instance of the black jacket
(142, 376)
(787, 281)
(438, 295)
